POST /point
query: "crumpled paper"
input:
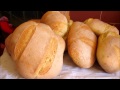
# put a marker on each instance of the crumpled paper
(69, 70)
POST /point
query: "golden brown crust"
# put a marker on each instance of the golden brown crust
(57, 21)
(36, 48)
(48, 57)
(82, 45)
(108, 52)
(66, 35)
(15, 37)
(58, 60)
(23, 41)
(100, 27)
(8, 43)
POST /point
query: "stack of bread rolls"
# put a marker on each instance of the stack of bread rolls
(37, 46)
(108, 48)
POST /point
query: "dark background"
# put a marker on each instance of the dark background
(18, 17)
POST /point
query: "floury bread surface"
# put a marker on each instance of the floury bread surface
(57, 21)
(81, 43)
(36, 50)
(100, 27)
(108, 52)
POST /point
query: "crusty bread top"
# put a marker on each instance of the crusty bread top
(81, 44)
(57, 21)
(81, 31)
(12, 40)
(108, 51)
(100, 27)
(35, 48)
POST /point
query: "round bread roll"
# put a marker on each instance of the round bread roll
(108, 52)
(57, 21)
(81, 44)
(99, 27)
(36, 50)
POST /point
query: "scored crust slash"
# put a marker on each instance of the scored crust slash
(36, 50)
(48, 57)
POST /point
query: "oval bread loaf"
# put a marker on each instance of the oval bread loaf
(99, 27)
(36, 50)
(108, 52)
(81, 44)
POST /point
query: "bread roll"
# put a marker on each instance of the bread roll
(69, 25)
(70, 22)
(108, 52)
(100, 27)
(81, 44)
(57, 21)
(66, 35)
(36, 50)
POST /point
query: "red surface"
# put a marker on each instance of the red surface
(83, 15)
(112, 17)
